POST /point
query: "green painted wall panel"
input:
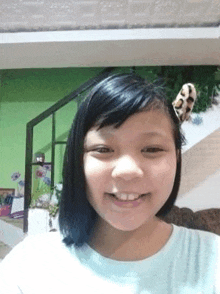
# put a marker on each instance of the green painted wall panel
(25, 93)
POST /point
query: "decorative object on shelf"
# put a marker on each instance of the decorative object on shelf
(42, 202)
(41, 187)
(39, 158)
(6, 200)
(6, 191)
(17, 208)
(43, 217)
(54, 204)
(15, 176)
(6, 204)
(20, 184)
(5, 210)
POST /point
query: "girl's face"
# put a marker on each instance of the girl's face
(130, 170)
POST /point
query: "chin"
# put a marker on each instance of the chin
(128, 226)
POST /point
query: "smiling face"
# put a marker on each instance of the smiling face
(136, 160)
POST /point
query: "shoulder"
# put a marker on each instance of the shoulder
(203, 245)
(34, 247)
(41, 240)
(198, 255)
(196, 236)
(44, 257)
(40, 253)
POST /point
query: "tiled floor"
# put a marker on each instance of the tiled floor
(4, 250)
(15, 222)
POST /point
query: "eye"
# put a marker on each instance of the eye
(102, 150)
(152, 150)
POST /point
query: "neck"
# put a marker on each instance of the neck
(131, 245)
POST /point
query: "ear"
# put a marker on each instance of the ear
(184, 102)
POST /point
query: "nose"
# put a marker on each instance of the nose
(127, 168)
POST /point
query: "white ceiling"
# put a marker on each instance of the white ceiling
(56, 15)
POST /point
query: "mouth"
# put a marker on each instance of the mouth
(126, 197)
(127, 200)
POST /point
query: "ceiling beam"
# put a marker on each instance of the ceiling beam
(118, 47)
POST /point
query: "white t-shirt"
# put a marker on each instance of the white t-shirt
(189, 263)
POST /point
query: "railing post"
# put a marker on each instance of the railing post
(28, 174)
(53, 150)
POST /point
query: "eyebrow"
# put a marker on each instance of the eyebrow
(156, 136)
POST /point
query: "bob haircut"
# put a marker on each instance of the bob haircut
(110, 102)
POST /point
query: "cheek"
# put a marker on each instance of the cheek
(164, 172)
(95, 174)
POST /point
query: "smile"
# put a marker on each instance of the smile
(127, 203)
(126, 196)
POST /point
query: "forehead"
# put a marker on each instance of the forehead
(151, 124)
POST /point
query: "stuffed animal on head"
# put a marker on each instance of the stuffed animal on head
(184, 102)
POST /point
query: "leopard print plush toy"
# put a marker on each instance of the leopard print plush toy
(184, 102)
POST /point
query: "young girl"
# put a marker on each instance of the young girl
(121, 176)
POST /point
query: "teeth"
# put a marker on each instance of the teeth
(125, 197)
(131, 197)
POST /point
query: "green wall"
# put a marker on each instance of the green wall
(25, 93)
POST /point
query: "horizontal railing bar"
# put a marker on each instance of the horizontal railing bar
(60, 142)
(70, 97)
(40, 163)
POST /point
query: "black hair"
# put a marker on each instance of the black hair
(110, 102)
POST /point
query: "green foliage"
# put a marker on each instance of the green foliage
(54, 208)
(39, 187)
(205, 78)
(1, 200)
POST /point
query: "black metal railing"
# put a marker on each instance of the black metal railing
(29, 137)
